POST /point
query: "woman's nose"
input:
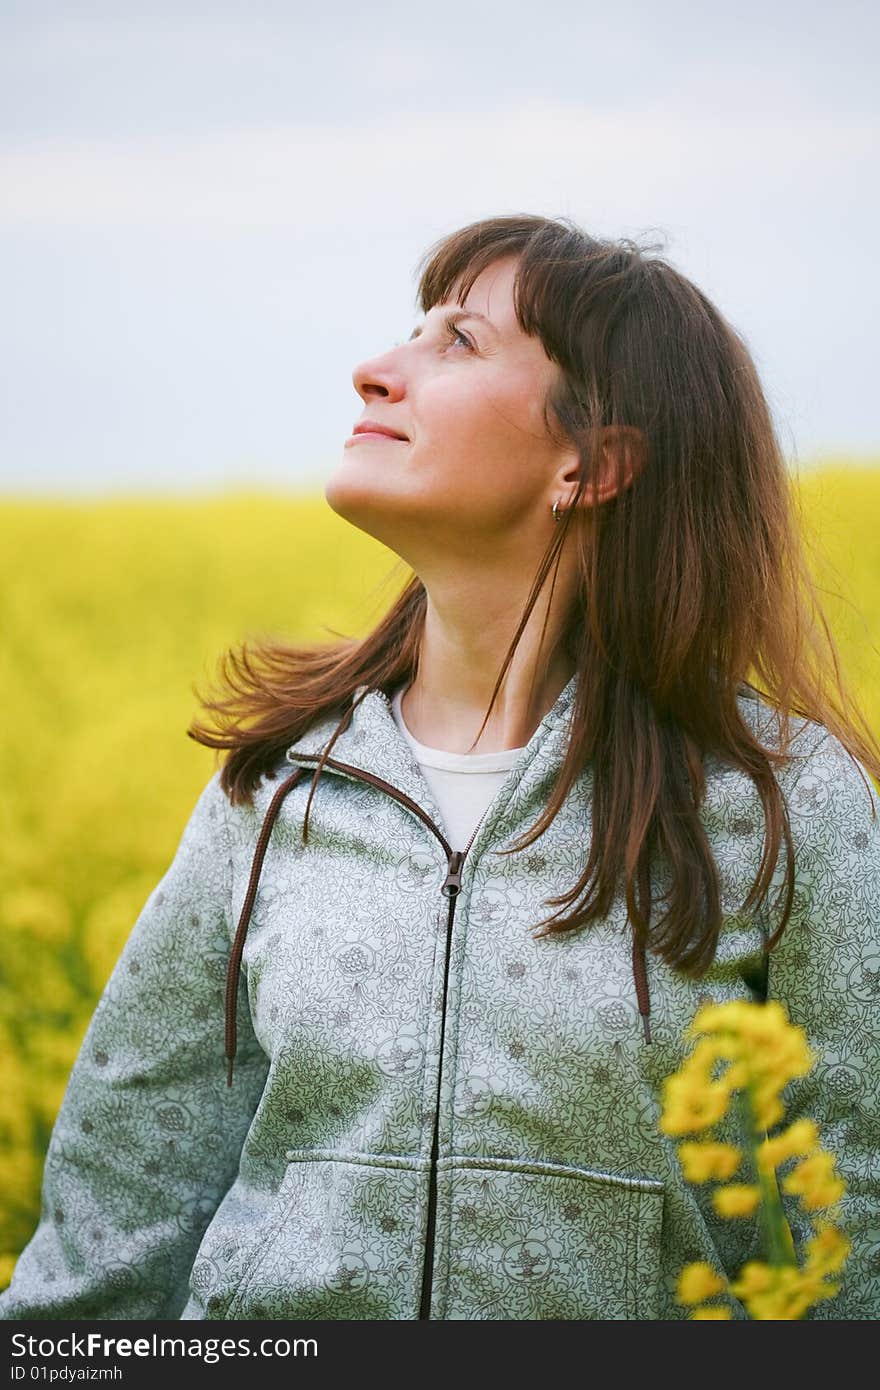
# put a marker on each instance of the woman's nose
(378, 377)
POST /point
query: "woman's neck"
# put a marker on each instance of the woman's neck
(467, 632)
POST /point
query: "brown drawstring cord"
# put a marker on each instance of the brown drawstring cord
(640, 975)
(234, 968)
(639, 965)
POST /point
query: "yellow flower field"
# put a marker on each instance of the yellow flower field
(111, 612)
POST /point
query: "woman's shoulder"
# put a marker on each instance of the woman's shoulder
(767, 724)
(827, 791)
(832, 802)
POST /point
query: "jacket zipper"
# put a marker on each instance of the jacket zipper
(450, 888)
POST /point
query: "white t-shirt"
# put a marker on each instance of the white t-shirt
(463, 784)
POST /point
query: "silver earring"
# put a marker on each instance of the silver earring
(557, 516)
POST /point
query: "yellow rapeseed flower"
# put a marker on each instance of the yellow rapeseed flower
(741, 1019)
(815, 1181)
(775, 1045)
(40, 914)
(789, 1293)
(7, 1265)
(702, 1162)
(827, 1249)
(719, 1018)
(767, 1107)
(755, 1277)
(756, 1050)
(798, 1140)
(739, 1199)
(710, 1049)
(696, 1282)
(690, 1105)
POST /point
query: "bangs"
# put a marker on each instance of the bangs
(547, 252)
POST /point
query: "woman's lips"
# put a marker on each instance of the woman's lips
(373, 434)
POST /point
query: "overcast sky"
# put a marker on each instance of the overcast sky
(210, 213)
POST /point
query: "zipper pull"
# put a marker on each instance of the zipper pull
(452, 884)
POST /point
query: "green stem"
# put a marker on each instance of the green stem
(775, 1230)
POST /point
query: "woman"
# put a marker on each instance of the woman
(438, 1101)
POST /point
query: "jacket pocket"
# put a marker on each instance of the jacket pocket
(542, 1241)
(336, 1242)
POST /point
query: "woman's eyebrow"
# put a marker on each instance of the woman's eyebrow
(455, 316)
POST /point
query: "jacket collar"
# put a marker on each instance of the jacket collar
(373, 743)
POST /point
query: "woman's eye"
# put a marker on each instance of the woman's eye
(452, 333)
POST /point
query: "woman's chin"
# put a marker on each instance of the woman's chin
(361, 501)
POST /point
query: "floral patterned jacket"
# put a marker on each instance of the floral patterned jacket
(433, 1114)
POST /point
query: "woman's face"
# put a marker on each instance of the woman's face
(476, 466)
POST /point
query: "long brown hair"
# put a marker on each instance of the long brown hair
(692, 579)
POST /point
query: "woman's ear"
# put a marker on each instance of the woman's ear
(623, 454)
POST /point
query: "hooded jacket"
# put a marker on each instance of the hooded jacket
(432, 1113)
